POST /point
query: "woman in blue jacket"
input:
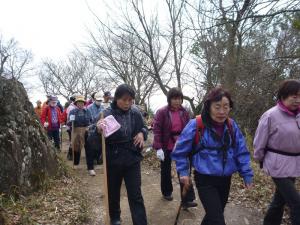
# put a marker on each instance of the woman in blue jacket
(220, 152)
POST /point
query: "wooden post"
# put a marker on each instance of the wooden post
(105, 188)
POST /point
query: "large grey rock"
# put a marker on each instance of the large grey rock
(26, 155)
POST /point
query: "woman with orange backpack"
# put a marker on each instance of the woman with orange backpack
(218, 151)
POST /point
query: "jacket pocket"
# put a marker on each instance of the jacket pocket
(231, 163)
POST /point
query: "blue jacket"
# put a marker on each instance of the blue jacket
(208, 160)
(95, 111)
(83, 117)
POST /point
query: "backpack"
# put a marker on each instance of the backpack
(200, 131)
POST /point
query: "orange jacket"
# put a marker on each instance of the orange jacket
(38, 111)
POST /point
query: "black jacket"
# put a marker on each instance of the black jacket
(120, 149)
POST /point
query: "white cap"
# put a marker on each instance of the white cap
(98, 96)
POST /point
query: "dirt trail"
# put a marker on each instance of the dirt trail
(159, 211)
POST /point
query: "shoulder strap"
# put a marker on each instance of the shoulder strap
(199, 129)
(230, 128)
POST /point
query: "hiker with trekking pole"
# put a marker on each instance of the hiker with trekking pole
(125, 133)
(91, 148)
(169, 121)
(218, 150)
(79, 119)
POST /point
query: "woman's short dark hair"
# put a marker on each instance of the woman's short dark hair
(124, 89)
(288, 88)
(174, 92)
(214, 95)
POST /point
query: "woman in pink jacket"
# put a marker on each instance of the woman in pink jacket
(277, 148)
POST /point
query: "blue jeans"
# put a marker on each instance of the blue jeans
(286, 193)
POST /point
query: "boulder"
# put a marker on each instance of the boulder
(27, 157)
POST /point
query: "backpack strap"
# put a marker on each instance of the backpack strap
(199, 129)
(230, 128)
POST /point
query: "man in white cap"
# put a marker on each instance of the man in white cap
(93, 152)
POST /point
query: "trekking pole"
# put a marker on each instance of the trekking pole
(183, 196)
(184, 193)
(106, 206)
(72, 143)
(61, 140)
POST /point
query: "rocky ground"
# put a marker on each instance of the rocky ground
(77, 198)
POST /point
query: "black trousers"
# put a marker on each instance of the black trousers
(77, 158)
(132, 177)
(89, 154)
(213, 193)
(166, 179)
(54, 135)
(69, 134)
(286, 193)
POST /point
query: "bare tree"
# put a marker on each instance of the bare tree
(123, 62)
(162, 50)
(237, 20)
(15, 62)
(76, 75)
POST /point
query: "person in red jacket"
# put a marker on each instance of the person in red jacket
(51, 119)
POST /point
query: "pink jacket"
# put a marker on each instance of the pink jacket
(280, 130)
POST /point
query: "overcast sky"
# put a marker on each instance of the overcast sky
(51, 28)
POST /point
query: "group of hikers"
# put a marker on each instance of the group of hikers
(78, 114)
(211, 145)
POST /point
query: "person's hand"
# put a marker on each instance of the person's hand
(186, 181)
(46, 124)
(100, 124)
(249, 186)
(160, 154)
(72, 118)
(139, 140)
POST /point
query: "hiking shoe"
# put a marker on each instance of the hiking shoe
(168, 197)
(92, 173)
(115, 222)
(75, 167)
(187, 205)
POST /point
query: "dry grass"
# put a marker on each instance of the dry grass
(60, 201)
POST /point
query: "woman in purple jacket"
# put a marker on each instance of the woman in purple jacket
(169, 121)
(277, 147)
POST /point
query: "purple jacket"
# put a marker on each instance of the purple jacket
(162, 126)
(279, 130)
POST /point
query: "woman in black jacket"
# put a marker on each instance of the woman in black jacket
(123, 151)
